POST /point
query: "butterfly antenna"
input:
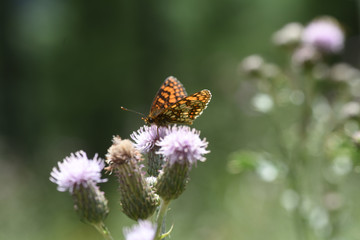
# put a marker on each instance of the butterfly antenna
(130, 110)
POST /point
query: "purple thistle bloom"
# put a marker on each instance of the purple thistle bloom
(183, 144)
(325, 34)
(77, 170)
(146, 137)
(145, 230)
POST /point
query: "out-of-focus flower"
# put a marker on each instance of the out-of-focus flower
(344, 72)
(262, 102)
(145, 230)
(356, 138)
(351, 109)
(146, 137)
(77, 170)
(289, 35)
(325, 34)
(305, 55)
(252, 65)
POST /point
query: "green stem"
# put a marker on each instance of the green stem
(102, 229)
(160, 217)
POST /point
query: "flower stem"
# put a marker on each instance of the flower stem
(160, 217)
(102, 229)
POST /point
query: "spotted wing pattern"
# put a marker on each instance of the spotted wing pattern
(186, 110)
(169, 93)
(172, 105)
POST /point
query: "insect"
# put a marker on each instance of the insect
(172, 105)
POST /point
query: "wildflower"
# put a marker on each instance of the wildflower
(350, 110)
(181, 148)
(79, 175)
(145, 140)
(145, 230)
(146, 137)
(324, 34)
(344, 72)
(137, 199)
(77, 170)
(305, 55)
(252, 65)
(289, 35)
(183, 144)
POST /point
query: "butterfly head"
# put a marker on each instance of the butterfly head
(148, 120)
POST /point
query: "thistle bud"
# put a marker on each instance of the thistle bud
(181, 148)
(172, 181)
(90, 204)
(137, 199)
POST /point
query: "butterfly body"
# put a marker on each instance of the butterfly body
(172, 105)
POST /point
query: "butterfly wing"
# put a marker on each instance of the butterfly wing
(169, 93)
(187, 109)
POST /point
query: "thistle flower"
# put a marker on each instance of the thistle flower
(136, 196)
(146, 137)
(77, 170)
(145, 230)
(145, 141)
(182, 144)
(79, 175)
(181, 148)
(324, 34)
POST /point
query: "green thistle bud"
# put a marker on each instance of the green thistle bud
(155, 162)
(90, 203)
(172, 180)
(137, 199)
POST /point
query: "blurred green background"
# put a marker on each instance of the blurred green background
(66, 68)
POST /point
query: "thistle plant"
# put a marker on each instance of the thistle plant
(80, 176)
(168, 153)
(310, 106)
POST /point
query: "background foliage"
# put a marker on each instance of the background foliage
(67, 67)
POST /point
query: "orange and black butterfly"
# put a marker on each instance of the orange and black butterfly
(172, 105)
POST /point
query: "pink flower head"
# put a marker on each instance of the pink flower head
(145, 230)
(146, 137)
(183, 144)
(77, 170)
(324, 34)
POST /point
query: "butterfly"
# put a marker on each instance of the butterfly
(172, 105)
